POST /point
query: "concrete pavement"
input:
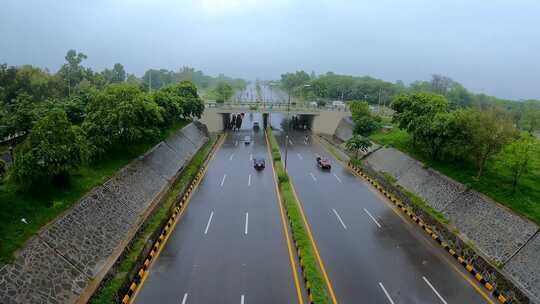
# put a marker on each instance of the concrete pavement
(371, 254)
(229, 247)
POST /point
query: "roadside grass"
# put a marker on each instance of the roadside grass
(312, 272)
(110, 292)
(496, 182)
(43, 205)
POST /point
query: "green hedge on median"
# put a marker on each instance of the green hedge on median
(312, 272)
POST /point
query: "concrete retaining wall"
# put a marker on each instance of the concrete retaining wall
(73, 253)
(500, 235)
(344, 130)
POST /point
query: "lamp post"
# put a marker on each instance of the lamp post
(288, 128)
(289, 125)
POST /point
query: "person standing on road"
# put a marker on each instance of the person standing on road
(238, 122)
(233, 122)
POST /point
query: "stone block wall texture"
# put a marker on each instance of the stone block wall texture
(500, 235)
(344, 130)
(525, 266)
(56, 265)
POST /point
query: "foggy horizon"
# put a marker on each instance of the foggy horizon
(488, 46)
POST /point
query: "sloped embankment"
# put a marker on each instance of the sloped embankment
(73, 253)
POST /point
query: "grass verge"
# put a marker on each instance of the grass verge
(42, 206)
(311, 270)
(110, 292)
(496, 182)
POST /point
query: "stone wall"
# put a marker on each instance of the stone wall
(501, 236)
(70, 254)
(344, 130)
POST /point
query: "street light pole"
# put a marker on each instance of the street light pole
(288, 128)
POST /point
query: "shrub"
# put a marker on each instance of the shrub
(2, 168)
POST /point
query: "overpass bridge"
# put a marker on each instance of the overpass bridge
(323, 120)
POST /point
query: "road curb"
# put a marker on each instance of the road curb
(158, 245)
(470, 268)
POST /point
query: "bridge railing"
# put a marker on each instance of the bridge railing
(273, 106)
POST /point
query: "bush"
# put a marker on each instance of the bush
(282, 177)
(2, 168)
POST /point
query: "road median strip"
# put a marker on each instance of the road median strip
(406, 210)
(314, 280)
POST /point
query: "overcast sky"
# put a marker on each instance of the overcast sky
(491, 46)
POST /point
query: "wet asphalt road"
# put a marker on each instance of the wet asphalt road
(371, 255)
(229, 246)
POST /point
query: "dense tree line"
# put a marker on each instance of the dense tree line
(470, 134)
(331, 86)
(65, 119)
(159, 78)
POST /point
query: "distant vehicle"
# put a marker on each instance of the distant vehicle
(258, 163)
(247, 140)
(313, 104)
(323, 163)
(256, 126)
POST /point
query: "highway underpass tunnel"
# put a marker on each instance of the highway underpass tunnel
(296, 121)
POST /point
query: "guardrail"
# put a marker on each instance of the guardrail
(274, 106)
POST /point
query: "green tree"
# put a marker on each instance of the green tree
(192, 105)
(121, 114)
(530, 119)
(223, 91)
(72, 72)
(365, 122)
(292, 83)
(171, 102)
(518, 157)
(52, 149)
(21, 116)
(357, 144)
(415, 111)
(488, 131)
(444, 131)
(118, 73)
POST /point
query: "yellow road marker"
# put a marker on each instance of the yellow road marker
(173, 226)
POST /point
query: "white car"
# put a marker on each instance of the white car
(247, 140)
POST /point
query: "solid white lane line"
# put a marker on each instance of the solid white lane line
(386, 293)
(313, 176)
(249, 180)
(338, 179)
(232, 155)
(371, 216)
(299, 156)
(184, 299)
(209, 220)
(242, 299)
(247, 223)
(223, 179)
(250, 156)
(339, 218)
(236, 143)
(435, 290)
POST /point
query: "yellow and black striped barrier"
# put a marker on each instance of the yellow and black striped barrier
(158, 244)
(497, 294)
